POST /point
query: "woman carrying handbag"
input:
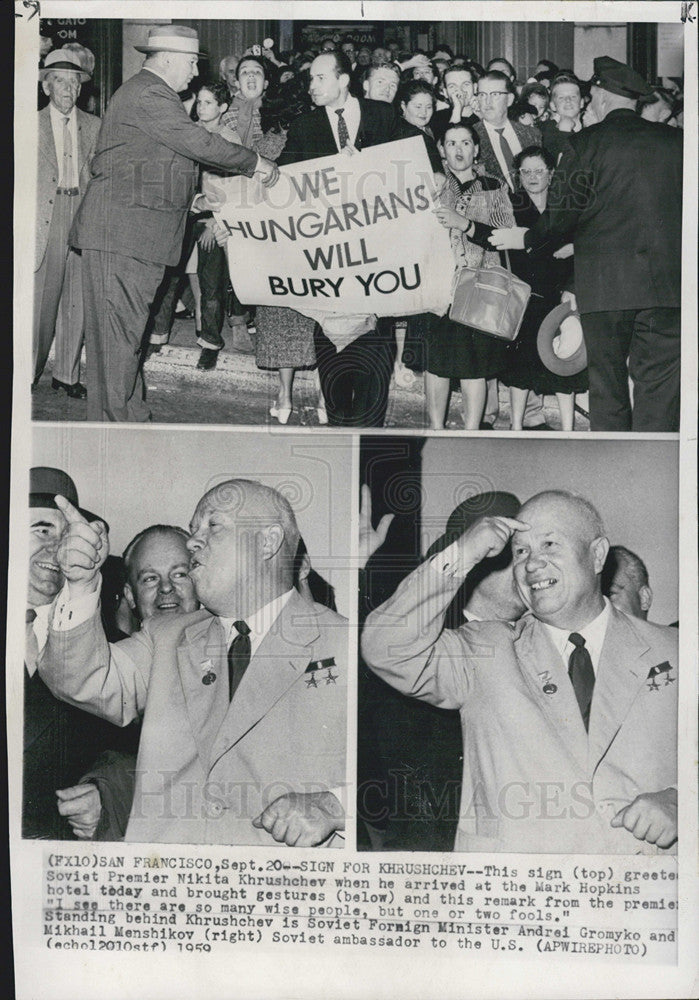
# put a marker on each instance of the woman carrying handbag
(471, 207)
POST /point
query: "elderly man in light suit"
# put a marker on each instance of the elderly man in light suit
(131, 222)
(569, 717)
(243, 704)
(67, 138)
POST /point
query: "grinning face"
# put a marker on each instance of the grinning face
(62, 87)
(535, 175)
(382, 85)
(46, 527)
(419, 110)
(459, 85)
(159, 582)
(251, 79)
(327, 89)
(566, 100)
(460, 151)
(557, 564)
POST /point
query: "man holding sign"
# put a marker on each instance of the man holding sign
(354, 353)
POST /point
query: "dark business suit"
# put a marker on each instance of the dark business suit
(355, 380)
(130, 226)
(617, 193)
(527, 135)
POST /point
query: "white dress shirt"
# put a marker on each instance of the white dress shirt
(57, 125)
(352, 116)
(593, 634)
(259, 624)
(40, 627)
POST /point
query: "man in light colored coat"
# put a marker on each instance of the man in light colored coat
(67, 138)
(243, 704)
(569, 716)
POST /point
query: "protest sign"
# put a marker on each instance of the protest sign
(341, 234)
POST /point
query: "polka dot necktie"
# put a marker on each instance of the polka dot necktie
(342, 130)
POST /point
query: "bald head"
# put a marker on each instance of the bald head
(558, 562)
(625, 582)
(242, 547)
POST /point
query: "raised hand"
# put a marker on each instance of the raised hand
(82, 550)
(488, 536)
(370, 538)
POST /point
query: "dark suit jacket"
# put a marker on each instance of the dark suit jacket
(310, 135)
(144, 173)
(617, 193)
(528, 135)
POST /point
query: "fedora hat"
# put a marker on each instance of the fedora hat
(45, 483)
(60, 59)
(171, 38)
(491, 504)
(568, 363)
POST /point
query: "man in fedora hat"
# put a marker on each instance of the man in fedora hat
(60, 742)
(619, 197)
(67, 138)
(130, 225)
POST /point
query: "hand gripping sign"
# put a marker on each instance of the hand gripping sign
(340, 234)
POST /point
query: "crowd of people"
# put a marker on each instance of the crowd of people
(580, 181)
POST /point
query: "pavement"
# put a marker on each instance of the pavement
(238, 392)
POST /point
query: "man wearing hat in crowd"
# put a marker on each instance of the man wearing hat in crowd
(130, 225)
(60, 742)
(617, 193)
(67, 138)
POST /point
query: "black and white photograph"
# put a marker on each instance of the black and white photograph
(195, 609)
(519, 669)
(353, 536)
(549, 215)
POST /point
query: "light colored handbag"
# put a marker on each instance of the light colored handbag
(490, 299)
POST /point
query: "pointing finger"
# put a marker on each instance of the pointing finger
(71, 513)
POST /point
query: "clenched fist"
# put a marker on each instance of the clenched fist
(651, 817)
(302, 819)
(82, 550)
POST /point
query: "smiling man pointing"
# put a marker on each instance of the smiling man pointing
(568, 717)
(243, 702)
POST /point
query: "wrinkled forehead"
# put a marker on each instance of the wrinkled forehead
(160, 547)
(550, 514)
(63, 76)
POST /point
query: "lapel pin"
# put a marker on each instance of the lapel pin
(550, 688)
(209, 675)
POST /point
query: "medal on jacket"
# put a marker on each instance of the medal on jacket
(315, 666)
(208, 676)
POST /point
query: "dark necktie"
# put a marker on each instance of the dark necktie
(507, 154)
(342, 131)
(31, 646)
(238, 657)
(582, 676)
(68, 179)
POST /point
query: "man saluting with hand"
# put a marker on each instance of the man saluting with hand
(569, 716)
(243, 702)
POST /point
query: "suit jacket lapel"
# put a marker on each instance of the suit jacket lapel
(47, 146)
(279, 662)
(541, 666)
(83, 144)
(621, 673)
(202, 652)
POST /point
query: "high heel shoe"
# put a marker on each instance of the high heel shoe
(281, 413)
